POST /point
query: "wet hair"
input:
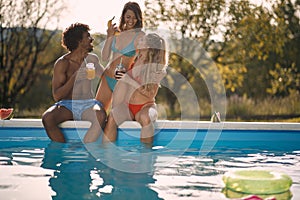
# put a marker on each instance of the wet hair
(73, 35)
(156, 58)
(135, 8)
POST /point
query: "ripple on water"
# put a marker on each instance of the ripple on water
(184, 177)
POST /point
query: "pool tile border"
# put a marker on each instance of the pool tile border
(165, 124)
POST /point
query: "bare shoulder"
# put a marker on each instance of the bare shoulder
(61, 63)
(141, 34)
(92, 57)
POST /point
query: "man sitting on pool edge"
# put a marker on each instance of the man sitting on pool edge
(71, 87)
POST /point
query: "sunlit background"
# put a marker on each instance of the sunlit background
(95, 13)
(247, 42)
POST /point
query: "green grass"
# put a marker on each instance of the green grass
(238, 108)
(270, 109)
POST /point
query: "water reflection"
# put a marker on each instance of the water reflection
(80, 175)
(76, 171)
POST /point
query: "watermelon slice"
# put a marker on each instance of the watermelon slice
(5, 112)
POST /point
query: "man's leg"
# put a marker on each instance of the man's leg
(52, 118)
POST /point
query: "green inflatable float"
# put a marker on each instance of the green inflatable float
(259, 182)
(243, 196)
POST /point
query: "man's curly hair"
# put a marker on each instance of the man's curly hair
(73, 35)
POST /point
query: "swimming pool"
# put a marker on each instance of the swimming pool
(186, 161)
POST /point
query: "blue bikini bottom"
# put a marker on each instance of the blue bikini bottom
(111, 82)
(77, 107)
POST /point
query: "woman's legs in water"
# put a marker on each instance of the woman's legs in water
(117, 116)
(97, 116)
(146, 116)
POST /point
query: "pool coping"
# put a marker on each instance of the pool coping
(164, 124)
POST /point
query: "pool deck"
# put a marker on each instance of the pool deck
(165, 124)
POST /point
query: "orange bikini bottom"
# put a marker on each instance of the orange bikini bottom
(135, 108)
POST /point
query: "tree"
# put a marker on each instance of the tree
(286, 71)
(249, 43)
(252, 39)
(24, 40)
(266, 40)
(201, 22)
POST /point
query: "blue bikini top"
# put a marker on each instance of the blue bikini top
(128, 51)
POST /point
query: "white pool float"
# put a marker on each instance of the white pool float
(257, 181)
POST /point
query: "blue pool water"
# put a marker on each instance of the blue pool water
(177, 166)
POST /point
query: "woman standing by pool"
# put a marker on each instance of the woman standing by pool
(123, 49)
(134, 96)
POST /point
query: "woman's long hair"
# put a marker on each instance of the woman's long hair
(155, 61)
(134, 7)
